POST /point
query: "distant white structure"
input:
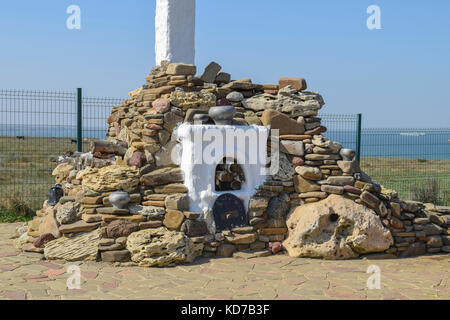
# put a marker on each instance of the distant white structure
(175, 31)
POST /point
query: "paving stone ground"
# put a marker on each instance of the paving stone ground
(26, 276)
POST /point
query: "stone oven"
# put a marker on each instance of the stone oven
(222, 162)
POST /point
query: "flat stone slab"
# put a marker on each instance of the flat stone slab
(78, 226)
(133, 218)
(80, 247)
(111, 210)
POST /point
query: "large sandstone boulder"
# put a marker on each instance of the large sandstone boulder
(110, 178)
(49, 223)
(335, 228)
(161, 247)
(83, 246)
(288, 101)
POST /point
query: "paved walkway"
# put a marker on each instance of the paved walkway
(26, 276)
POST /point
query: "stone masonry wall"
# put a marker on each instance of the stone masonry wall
(157, 228)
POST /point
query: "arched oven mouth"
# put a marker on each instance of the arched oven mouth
(229, 212)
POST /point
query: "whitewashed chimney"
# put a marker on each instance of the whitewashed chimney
(175, 31)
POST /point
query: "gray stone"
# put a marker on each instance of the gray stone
(68, 213)
(148, 211)
(194, 228)
(285, 168)
(341, 180)
(235, 96)
(66, 199)
(446, 240)
(211, 72)
(410, 206)
(277, 208)
(171, 120)
(223, 77)
(432, 229)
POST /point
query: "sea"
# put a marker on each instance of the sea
(402, 143)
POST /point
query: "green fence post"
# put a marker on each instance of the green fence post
(358, 137)
(79, 120)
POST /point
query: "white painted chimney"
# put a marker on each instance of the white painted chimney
(175, 31)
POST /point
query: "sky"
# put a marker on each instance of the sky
(397, 76)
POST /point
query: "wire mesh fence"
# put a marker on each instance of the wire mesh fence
(95, 113)
(341, 128)
(414, 162)
(38, 126)
(35, 128)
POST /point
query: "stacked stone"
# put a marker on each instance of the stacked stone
(137, 158)
(417, 228)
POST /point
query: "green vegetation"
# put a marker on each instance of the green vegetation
(10, 217)
(14, 209)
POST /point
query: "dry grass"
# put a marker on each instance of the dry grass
(26, 167)
(14, 209)
(411, 178)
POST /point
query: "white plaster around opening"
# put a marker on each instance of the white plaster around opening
(199, 176)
